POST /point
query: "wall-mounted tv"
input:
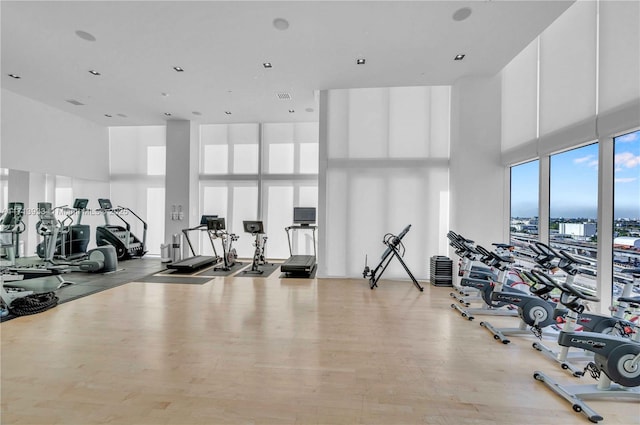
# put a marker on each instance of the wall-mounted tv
(304, 215)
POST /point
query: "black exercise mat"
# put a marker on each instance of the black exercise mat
(187, 280)
(211, 272)
(267, 269)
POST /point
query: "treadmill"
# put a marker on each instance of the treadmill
(301, 265)
(196, 261)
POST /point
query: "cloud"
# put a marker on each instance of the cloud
(593, 164)
(583, 159)
(627, 159)
(628, 138)
(626, 180)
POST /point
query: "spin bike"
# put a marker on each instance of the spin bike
(217, 229)
(256, 228)
(616, 361)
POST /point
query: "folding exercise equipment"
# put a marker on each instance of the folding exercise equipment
(395, 249)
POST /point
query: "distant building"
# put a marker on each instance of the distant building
(627, 242)
(578, 230)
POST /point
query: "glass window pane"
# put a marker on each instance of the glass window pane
(525, 187)
(573, 207)
(245, 207)
(156, 160)
(245, 159)
(279, 215)
(215, 159)
(214, 202)
(309, 158)
(281, 158)
(626, 211)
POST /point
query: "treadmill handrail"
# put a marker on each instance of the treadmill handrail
(186, 231)
(299, 227)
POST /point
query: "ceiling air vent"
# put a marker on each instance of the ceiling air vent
(284, 96)
(75, 102)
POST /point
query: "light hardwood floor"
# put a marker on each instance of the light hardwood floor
(272, 351)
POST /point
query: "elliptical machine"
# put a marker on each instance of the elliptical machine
(72, 239)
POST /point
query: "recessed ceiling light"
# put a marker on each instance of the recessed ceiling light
(458, 57)
(168, 114)
(309, 109)
(267, 65)
(163, 94)
(108, 116)
(197, 113)
(178, 69)
(93, 72)
(85, 35)
(17, 77)
(281, 24)
(75, 102)
(291, 111)
(122, 115)
(360, 61)
(462, 14)
(227, 112)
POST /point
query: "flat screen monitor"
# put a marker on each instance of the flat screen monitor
(253, 227)
(204, 220)
(216, 223)
(105, 204)
(304, 215)
(80, 204)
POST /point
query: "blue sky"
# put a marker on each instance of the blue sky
(574, 182)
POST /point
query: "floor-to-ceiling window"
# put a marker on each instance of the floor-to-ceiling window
(258, 172)
(626, 209)
(573, 207)
(524, 204)
(138, 157)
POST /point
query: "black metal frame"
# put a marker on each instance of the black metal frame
(393, 244)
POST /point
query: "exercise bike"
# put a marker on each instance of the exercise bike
(256, 228)
(616, 361)
(217, 229)
(588, 322)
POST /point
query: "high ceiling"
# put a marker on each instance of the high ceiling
(222, 47)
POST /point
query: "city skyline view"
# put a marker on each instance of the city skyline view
(574, 182)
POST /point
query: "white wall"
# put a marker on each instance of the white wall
(477, 176)
(43, 139)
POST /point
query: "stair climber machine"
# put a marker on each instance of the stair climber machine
(217, 229)
(196, 262)
(256, 228)
(395, 249)
(298, 265)
(615, 365)
(127, 245)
